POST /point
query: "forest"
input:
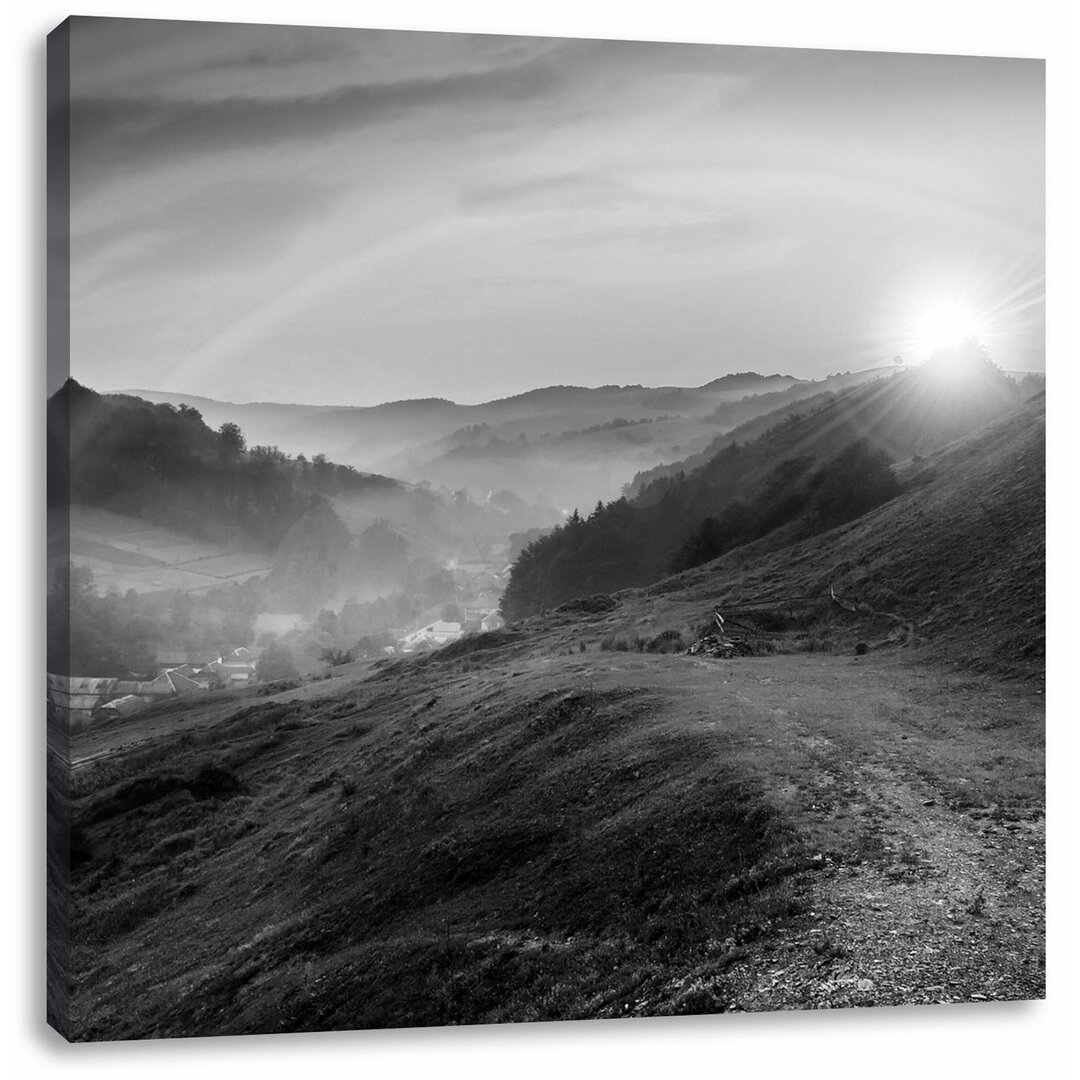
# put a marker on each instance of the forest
(163, 464)
(624, 544)
(806, 473)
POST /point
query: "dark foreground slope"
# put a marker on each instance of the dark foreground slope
(547, 823)
(554, 837)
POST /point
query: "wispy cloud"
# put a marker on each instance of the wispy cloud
(122, 131)
(566, 191)
(383, 203)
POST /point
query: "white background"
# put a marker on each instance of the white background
(1032, 1039)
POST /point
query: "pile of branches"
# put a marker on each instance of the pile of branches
(720, 646)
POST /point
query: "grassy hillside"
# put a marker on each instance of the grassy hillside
(487, 838)
(797, 475)
(956, 562)
(415, 851)
(166, 465)
(752, 418)
(126, 552)
(544, 823)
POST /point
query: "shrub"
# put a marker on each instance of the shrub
(667, 641)
(588, 605)
(276, 662)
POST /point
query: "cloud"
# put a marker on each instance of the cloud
(120, 131)
(553, 191)
(230, 224)
(671, 237)
(395, 202)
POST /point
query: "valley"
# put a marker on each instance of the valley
(124, 552)
(584, 815)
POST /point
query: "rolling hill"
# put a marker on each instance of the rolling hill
(564, 445)
(806, 472)
(571, 818)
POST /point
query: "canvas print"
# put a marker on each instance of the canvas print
(539, 529)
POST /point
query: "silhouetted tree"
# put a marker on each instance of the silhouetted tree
(276, 662)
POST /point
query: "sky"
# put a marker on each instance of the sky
(349, 217)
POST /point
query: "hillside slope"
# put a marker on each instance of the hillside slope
(521, 834)
(560, 821)
(564, 445)
(958, 560)
(799, 474)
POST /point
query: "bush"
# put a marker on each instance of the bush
(587, 605)
(336, 657)
(276, 662)
(667, 641)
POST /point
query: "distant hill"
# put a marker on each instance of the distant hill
(165, 464)
(751, 417)
(955, 565)
(559, 444)
(806, 472)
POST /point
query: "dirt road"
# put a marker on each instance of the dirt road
(922, 791)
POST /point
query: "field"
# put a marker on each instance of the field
(126, 553)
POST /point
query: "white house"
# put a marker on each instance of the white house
(436, 633)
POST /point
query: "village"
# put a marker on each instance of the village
(180, 672)
(481, 586)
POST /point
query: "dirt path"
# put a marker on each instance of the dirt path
(921, 791)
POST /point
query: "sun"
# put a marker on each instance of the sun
(943, 325)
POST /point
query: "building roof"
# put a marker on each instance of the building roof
(226, 667)
(170, 682)
(126, 705)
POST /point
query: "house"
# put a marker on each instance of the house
(122, 706)
(488, 601)
(492, 621)
(236, 668)
(167, 684)
(434, 634)
(170, 683)
(203, 676)
(232, 674)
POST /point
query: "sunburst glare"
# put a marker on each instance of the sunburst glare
(944, 325)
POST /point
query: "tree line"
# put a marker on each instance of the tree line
(668, 529)
(164, 464)
(804, 472)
